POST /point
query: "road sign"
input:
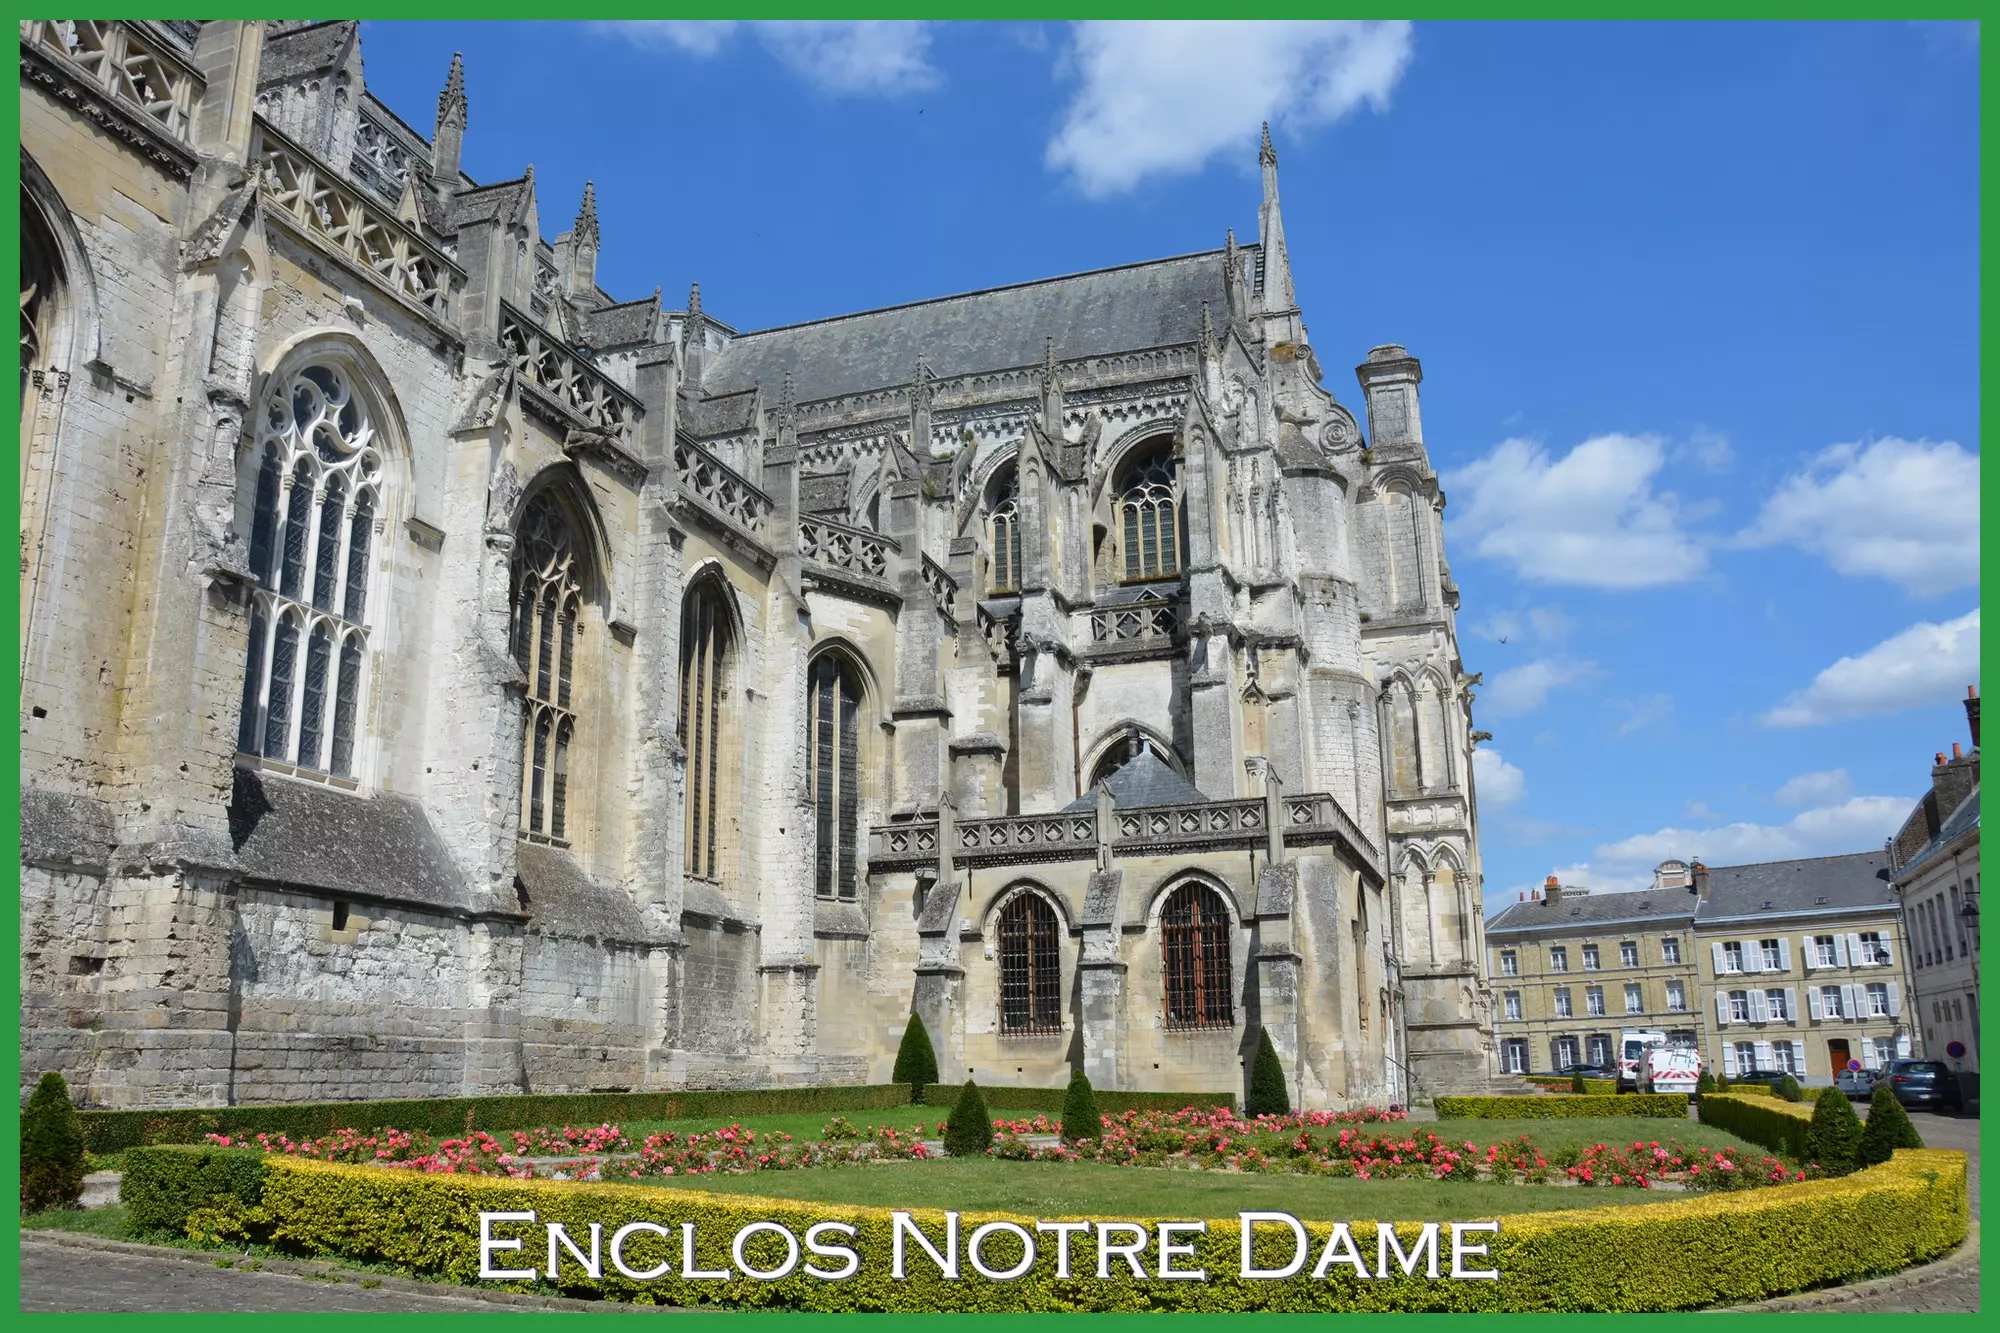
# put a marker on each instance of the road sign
(1956, 1050)
(1854, 1064)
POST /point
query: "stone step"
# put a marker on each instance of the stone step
(100, 1189)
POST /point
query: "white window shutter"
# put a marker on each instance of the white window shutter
(1758, 1013)
(1763, 1055)
(1720, 965)
(1753, 955)
(1895, 1000)
(1729, 1058)
(1722, 1009)
(1813, 1004)
(1791, 1005)
(1853, 1000)
(1855, 958)
(1883, 951)
(1840, 950)
(1808, 955)
(1902, 1046)
(1784, 954)
(1799, 1058)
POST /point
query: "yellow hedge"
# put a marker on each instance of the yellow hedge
(1771, 1122)
(1565, 1106)
(1700, 1251)
(1750, 1090)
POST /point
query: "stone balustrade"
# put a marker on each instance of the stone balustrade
(838, 546)
(720, 489)
(1133, 622)
(943, 588)
(583, 392)
(303, 191)
(132, 68)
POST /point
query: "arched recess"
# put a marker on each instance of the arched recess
(837, 766)
(325, 469)
(1121, 743)
(1451, 906)
(1434, 747)
(710, 657)
(1398, 703)
(1401, 545)
(1415, 909)
(1029, 926)
(555, 628)
(1196, 921)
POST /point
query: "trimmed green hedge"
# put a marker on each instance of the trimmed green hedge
(1704, 1250)
(162, 1185)
(1565, 1106)
(113, 1131)
(1769, 1122)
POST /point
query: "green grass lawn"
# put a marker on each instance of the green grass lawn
(1088, 1189)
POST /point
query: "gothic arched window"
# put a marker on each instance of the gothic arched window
(1030, 966)
(38, 289)
(833, 715)
(1004, 524)
(319, 481)
(1194, 933)
(704, 658)
(547, 602)
(1149, 516)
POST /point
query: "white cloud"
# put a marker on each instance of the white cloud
(1903, 510)
(696, 37)
(1161, 98)
(1523, 689)
(875, 56)
(1816, 789)
(1551, 624)
(1711, 449)
(1589, 518)
(1856, 824)
(1498, 782)
(1584, 875)
(1644, 712)
(1925, 664)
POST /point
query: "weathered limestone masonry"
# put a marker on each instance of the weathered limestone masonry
(439, 677)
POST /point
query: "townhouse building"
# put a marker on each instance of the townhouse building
(1936, 859)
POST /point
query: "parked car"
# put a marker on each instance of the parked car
(1588, 1071)
(1771, 1078)
(1924, 1083)
(1858, 1084)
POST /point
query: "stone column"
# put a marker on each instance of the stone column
(939, 997)
(1101, 972)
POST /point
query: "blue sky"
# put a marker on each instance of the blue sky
(1697, 306)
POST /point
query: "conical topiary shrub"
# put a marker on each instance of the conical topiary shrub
(1576, 1083)
(969, 1132)
(1834, 1136)
(1888, 1128)
(1267, 1081)
(1790, 1090)
(1706, 1083)
(916, 1062)
(1080, 1119)
(51, 1148)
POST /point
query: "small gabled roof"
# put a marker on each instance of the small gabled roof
(1960, 822)
(1145, 781)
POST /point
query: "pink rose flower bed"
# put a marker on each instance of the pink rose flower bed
(1369, 1144)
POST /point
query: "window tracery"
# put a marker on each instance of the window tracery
(319, 480)
(1148, 503)
(704, 658)
(1194, 935)
(547, 601)
(1030, 967)
(1004, 523)
(834, 716)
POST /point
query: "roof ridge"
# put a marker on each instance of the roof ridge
(982, 291)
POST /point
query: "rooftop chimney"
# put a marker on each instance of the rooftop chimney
(1956, 753)
(1972, 712)
(1700, 873)
(1552, 891)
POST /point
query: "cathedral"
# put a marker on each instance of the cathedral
(442, 677)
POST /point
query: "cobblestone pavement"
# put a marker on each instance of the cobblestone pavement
(60, 1272)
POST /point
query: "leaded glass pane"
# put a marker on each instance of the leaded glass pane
(247, 729)
(361, 529)
(312, 712)
(346, 701)
(278, 708)
(327, 558)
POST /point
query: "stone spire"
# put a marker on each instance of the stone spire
(1052, 393)
(694, 337)
(448, 138)
(583, 247)
(586, 216)
(1279, 297)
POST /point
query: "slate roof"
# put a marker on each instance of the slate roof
(1960, 822)
(1123, 309)
(380, 846)
(1146, 780)
(486, 203)
(620, 325)
(59, 828)
(1570, 911)
(1775, 888)
(561, 899)
(302, 51)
